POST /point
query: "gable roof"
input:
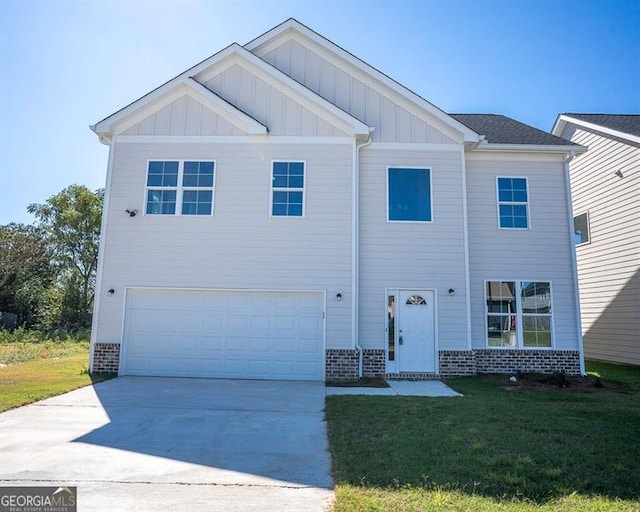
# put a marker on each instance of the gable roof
(624, 126)
(262, 44)
(137, 109)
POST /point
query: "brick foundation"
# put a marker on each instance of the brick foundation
(341, 364)
(527, 361)
(373, 362)
(457, 363)
(106, 357)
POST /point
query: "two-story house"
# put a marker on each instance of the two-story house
(283, 210)
(605, 185)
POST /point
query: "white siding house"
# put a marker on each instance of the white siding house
(605, 184)
(283, 210)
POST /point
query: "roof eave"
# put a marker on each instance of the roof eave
(563, 119)
(535, 148)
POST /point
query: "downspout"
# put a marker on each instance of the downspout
(355, 245)
(97, 294)
(574, 264)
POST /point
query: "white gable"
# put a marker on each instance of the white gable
(184, 116)
(269, 104)
(397, 114)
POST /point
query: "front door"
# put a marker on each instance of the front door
(415, 332)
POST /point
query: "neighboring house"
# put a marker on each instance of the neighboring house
(605, 185)
(283, 210)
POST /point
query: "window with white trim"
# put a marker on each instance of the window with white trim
(518, 314)
(408, 194)
(513, 203)
(581, 233)
(179, 187)
(287, 189)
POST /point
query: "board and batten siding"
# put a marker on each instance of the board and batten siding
(347, 88)
(412, 255)
(184, 116)
(542, 252)
(240, 246)
(269, 106)
(609, 264)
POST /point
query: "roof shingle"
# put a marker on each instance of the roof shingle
(500, 129)
(625, 123)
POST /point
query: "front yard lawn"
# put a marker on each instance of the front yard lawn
(33, 371)
(491, 450)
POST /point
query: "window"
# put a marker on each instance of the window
(416, 300)
(185, 187)
(518, 314)
(391, 322)
(409, 194)
(287, 189)
(512, 203)
(581, 229)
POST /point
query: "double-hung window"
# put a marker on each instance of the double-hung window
(180, 188)
(513, 203)
(518, 314)
(408, 194)
(287, 189)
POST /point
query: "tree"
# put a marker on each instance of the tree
(71, 221)
(26, 271)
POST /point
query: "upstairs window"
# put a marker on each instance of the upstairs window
(408, 194)
(513, 203)
(287, 189)
(179, 188)
(581, 233)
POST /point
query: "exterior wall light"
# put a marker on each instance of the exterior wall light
(452, 292)
(111, 291)
(132, 213)
(339, 297)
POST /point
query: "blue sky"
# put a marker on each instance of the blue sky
(66, 65)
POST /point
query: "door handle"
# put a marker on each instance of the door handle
(400, 339)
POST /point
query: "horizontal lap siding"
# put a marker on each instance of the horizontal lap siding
(542, 252)
(393, 121)
(412, 255)
(609, 265)
(240, 246)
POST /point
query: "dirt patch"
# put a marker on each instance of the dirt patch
(559, 382)
(364, 382)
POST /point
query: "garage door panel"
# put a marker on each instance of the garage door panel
(224, 334)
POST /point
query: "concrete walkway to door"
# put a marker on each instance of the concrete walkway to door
(162, 444)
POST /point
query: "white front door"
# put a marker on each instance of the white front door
(415, 332)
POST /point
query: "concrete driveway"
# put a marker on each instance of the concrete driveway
(159, 444)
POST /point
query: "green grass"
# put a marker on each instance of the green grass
(31, 371)
(492, 449)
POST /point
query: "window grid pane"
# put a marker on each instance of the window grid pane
(185, 188)
(287, 189)
(161, 202)
(512, 199)
(581, 229)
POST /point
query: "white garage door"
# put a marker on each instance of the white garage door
(223, 334)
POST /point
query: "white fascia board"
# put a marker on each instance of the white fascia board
(306, 97)
(329, 50)
(531, 148)
(225, 109)
(563, 120)
(104, 128)
(188, 87)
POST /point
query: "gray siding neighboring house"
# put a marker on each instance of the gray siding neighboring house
(605, 184)
(301, 215)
